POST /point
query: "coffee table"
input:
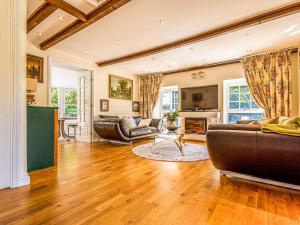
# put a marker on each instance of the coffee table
(173, 136)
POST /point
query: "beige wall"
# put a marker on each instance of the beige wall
(100, 81)
(214, 75)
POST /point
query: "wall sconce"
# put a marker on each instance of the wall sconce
(198, 75)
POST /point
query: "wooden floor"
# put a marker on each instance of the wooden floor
(106, 184)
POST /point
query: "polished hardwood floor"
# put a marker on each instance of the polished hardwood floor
(108, 185)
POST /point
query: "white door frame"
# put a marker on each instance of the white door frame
(14, 27)
(53, 60)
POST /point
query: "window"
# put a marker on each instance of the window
(66, 100)
(168, 101)
(238, 102)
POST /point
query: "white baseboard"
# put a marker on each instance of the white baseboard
(23, 181)
(260, 180)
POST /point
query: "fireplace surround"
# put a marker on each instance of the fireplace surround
(195, 125)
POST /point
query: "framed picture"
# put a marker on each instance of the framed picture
(135, 107)
(104, 105)
(35, 67)
(120, 88)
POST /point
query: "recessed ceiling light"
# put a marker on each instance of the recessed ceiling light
(39, 33)
(173, 62)
(153, 58)
(117, 39)
(247, 34)
(294, 33)
(248, 51)
(162, 21)
(289, 29)
(60, 18)
(191, 49)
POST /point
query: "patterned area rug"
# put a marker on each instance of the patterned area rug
(168, 151)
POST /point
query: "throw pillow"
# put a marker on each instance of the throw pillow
(144, 123)
(129, 121)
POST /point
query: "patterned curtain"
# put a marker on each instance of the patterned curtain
(269, 80)
(149, 89)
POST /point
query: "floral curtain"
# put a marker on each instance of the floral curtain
(149, 90)
(269, 79)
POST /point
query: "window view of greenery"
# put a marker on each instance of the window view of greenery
(67, 107)
(70, 103)
(242, 104)
(240, 98)
(54, 97)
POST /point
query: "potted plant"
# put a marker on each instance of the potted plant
(171, 117)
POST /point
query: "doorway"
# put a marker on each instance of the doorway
(71, 91)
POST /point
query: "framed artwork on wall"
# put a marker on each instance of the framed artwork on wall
(35, 67)
(135, 106)
(120, 88)
(104, 105)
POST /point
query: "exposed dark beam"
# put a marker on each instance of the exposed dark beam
(39, 15)
(222, 63)
(252, 21)
(68, 8)
(78, 25)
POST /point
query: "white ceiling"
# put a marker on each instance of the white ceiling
(136, 26)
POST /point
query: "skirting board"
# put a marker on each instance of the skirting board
(259, 180)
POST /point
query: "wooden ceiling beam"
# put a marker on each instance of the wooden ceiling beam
(69, 9)
(101, 11)
(39, 15)
(223, 63)
(252, 21)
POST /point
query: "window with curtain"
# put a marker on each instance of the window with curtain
(167, 101)
(66, 99)
(238, 102)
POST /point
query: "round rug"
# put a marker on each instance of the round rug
(168, 151)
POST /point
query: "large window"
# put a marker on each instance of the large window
(238, 102)
(66, 100)
(168, 101)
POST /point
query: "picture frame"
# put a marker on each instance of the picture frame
(104, 105)
(135, 106)
(35, 67)
(120, 88)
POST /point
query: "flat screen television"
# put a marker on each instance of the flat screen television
(199, 98)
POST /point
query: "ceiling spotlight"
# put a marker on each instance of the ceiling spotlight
(117, 39)
(39, 34)
(153, 58)
(162, 21)
(173, 62)
(248, 51)
(191, 49)
(60, 18)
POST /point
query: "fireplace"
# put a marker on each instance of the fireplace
(195, 125)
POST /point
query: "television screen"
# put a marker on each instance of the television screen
(199, 98)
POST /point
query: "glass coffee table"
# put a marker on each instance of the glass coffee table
(176, 137)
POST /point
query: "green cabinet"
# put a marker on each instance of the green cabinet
(42, 137)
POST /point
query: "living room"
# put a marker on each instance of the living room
(150, 112)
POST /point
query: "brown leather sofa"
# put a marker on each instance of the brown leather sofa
(244, 149)
(114, 129)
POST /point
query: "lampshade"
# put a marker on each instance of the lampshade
(31, 85)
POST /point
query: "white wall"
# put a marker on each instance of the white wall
(5, 114)
(101, 76)
(64, 78)
(214, 75)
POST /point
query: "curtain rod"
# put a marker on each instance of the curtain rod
(293, 50)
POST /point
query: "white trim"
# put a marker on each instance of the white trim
(259, 180)
(18, 173)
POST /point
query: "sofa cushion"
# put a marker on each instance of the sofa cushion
(144, 122)
(139, 131)
(129, 120)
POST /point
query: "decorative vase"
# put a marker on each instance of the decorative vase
(171, 124)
